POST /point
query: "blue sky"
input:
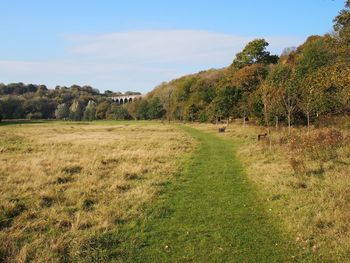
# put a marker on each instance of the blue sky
(135, 45)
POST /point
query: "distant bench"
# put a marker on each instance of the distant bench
(222, 129)
(262, 136)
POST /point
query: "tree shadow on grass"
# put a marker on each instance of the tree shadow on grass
(20, 122)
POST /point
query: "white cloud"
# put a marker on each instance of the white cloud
(135, 60)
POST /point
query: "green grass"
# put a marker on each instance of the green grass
(211, 214)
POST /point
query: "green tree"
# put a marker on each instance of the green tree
(142, 110)
(342, 34)
(285, 89)
(12, 107)
(191, 112)
(342, 23)
(76, 111)
(102, 109)
(314, 54)
(90, 111)
(226, 102)
(39, 107)
(118, 112)
(253, 53)
(248, 80)
(155, 109)
(132, 108)
(62, 111)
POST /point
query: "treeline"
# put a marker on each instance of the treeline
(301, 85)
(19, 101)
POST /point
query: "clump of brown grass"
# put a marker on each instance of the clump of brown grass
(320, 146)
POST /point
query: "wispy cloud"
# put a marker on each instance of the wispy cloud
(135, 60)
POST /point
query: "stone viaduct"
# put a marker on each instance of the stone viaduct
(123, 99)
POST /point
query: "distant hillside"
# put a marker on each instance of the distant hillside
(299, 86)
(19, 101)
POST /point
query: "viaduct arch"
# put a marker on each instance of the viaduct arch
(123, 99)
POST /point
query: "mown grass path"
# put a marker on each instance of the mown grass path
(211, 214)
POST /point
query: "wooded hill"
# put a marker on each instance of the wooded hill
(19, 101)
(303, 84)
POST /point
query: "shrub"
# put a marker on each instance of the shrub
(34, 116)
(321, 147)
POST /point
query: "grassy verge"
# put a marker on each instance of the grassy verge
(212, 213)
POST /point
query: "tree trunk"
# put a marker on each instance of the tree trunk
(308, 122)
(276, 122)
(289, 124)
(265, 115)
(244, 119)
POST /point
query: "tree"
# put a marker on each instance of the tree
(142, 110)
(108, 92)
(155, 109)
(164, 93)
(90, 111)
(62, 111)
(247, 80)
(342, 23)
(76, 111)
(286, 91)
(314, 54)
(270, 100)
(332, 84)
(132, 108)
(12, 107)
(342, 34)
(226, 102)
(118, 112)
(101, 109)
(191, 112)
(253, 53)
(39, 108)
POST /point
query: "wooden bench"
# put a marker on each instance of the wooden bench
(262, 136)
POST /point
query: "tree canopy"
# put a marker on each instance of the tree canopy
(254, 53)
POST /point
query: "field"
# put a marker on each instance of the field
(152, 192)
(65, 187)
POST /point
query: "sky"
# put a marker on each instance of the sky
(135, 45)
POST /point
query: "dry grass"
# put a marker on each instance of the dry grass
(64, 185)
(313, 206)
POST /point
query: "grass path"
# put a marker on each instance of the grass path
(211, 214)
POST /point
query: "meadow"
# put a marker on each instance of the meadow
(65, 187)
(125, 191)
